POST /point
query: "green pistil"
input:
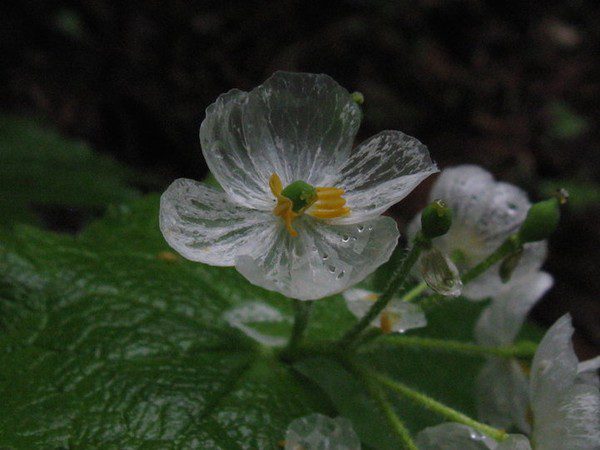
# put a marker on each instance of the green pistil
(301, 194)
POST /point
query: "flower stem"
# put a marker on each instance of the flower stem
(384, 404)
(414, 292)
(508, 246)
(523, 349)
(301, 314)
(439, 408)
(395, 283)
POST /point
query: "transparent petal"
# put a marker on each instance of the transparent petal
(501, 321)
(453, 436)
(323, 259)
(227, 153)
(502, 394)
(489, 284)
(515, 442)
(202, 224)
(319, 432)
(259, 322)
(572, 423)
(402, 316)
(382, 171)
(587, 372)
(440, 273)
(554, 366)
(300, 126)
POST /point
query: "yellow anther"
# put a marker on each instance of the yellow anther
(385, 322)
(328, 203)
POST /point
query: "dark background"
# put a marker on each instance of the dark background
(513, 86)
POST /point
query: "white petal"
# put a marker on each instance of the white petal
(402, 315)
(323, 259)
(572, 423)
(554, 366)
(202, 224)
(502, 394)
(515, 442)
(319, 432)
(587, 372)
(489, 283)
(453, 436)
(228, 155)
(501, 321)
(253, 319)
(382, 171)
(300, 126)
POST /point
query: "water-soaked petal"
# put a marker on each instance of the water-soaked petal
(323, 259)
(398, 316)
(202, 224)
(382, 171)
(319, 432)
(259, 322)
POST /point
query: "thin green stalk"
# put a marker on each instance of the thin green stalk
(437, 407)
(523, 349)
(395, 422)
(509, 246)
(395, 283)
(301, 314)
(414, 292)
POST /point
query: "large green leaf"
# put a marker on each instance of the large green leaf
(107, 340)
(40, 169)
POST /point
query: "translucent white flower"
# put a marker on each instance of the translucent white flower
(398, 316)
(259, 322)
(484, 213)
(565, 404)
(502, 392)
(300, 210)
(319, 432)
(454, 436)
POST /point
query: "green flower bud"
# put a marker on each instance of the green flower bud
(358, 98)
(436, 219)
(301, 194)
(541, 221)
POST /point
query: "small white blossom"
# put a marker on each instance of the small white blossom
(398, 316)
(300, 210)
(319, 432)
(565, 404)
(484, 213)
(502, 385)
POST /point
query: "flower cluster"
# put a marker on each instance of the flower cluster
(299, 210)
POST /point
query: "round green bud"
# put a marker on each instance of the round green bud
(436, 219)
(541, 221)
(358, 98)
(301, 194)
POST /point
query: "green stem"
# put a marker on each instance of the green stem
(509, 246)
(301, 314)
(523, 349)
(439, 408)
(395, 422)
(414, 292)
(395, 283)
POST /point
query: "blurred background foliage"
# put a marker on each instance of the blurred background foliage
(512, 86)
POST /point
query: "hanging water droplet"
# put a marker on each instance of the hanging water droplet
(360, 228)
(440, 273)
(345, 238)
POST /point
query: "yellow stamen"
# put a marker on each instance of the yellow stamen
(385, 322)
(328, 205)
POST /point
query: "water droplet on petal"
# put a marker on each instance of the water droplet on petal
(345, 238)
(331, 269)
(360, 228)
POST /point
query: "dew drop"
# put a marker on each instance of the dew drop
(345, 238)
(325, 256)
(360, 228)
(331, 269)
(341, 274)
(370, 228)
